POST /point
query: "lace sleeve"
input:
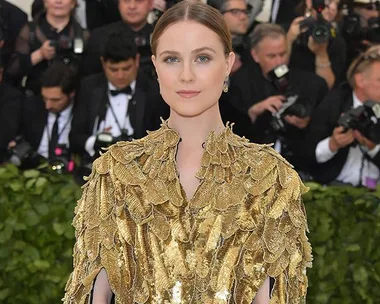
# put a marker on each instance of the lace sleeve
(20, 62)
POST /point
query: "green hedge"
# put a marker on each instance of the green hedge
(36, 239)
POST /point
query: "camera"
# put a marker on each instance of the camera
(294, 104)
(64, 44)
(105, 139)
(365, 119)
(23, 155)
(61, 162)
(352, 28)
(318, 28)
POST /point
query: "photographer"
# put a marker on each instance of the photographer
(315, 45)
(134, 15)
(262, 98)
(46, 120)
(236, 14)
(52, 36)
(118, 104)
(341, 153)
(360, 26)
(10, 108)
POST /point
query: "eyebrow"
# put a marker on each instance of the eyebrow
(193, 51)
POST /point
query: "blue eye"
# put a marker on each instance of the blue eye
(203, 59)
(171, 59)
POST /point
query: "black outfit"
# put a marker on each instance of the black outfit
(10, 111)
(323, 122)
(31, 37)
(34, 120)
(98, 12)
(302, 58)
(286, 12)
(92, 102)
(12, 19)
(249, 86)
(92, 64)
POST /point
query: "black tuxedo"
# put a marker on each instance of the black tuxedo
(10, 111)
(91, 62)
(323, 122)
(91, 107)
(249, 86)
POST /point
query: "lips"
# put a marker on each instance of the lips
(188, 93)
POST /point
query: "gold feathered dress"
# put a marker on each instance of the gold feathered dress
(245, 222)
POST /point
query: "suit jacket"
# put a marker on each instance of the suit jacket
(91, 106)
(34, 119)
(323, 122)
(10, 111)
(249, 86)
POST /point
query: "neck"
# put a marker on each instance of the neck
(360, 95)
(195, 130)
(58, 22)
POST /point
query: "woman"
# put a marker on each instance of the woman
(191, 213)
(52, 35)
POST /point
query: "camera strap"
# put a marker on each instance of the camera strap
(126, 114)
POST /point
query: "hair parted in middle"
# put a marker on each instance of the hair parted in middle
(198, 12)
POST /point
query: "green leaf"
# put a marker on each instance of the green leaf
(58, 228)
(31, 173)
(16, 186)
(4, 293)
(353, 248)
(41, 264)
(41, 181)
(32, 218)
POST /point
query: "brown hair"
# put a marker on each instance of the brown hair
(198, 12)
(264, 30)
(362, 63)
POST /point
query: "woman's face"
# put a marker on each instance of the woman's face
(59, 8)
(191, 66)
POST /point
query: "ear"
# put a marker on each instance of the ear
(359, 80)
(151, 5)
(72, 94)
(230, 62)
(254, 55)
(153, 58)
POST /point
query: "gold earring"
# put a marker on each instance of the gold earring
(225, 85)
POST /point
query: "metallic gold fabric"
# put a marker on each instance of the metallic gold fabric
(245, 222)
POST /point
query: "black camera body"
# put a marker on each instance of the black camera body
(318, 28)
(352, 29)
(365, 119)
(23, 155)
(294, 104)
(67, 44)
(61, 161)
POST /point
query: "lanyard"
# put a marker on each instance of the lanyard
(122, 130)
(63, 129)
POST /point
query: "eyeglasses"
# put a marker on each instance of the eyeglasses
(373, 55)
(238, 12)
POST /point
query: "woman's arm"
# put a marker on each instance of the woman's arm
(262, 296)
(102, 290)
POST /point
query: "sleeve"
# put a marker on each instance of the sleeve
(20, 62)
(278, 247)
(102, 240)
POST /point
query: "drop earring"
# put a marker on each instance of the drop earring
(225, 85)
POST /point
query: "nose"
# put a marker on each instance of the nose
(279, 60)
(187, 74)
(132, 4)
(48, 105)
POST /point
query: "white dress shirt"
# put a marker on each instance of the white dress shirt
(355, 161)
(119, 104)
(64, 127)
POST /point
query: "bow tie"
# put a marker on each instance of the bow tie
(127, 90)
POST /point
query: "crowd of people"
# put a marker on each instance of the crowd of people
(79, 77)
